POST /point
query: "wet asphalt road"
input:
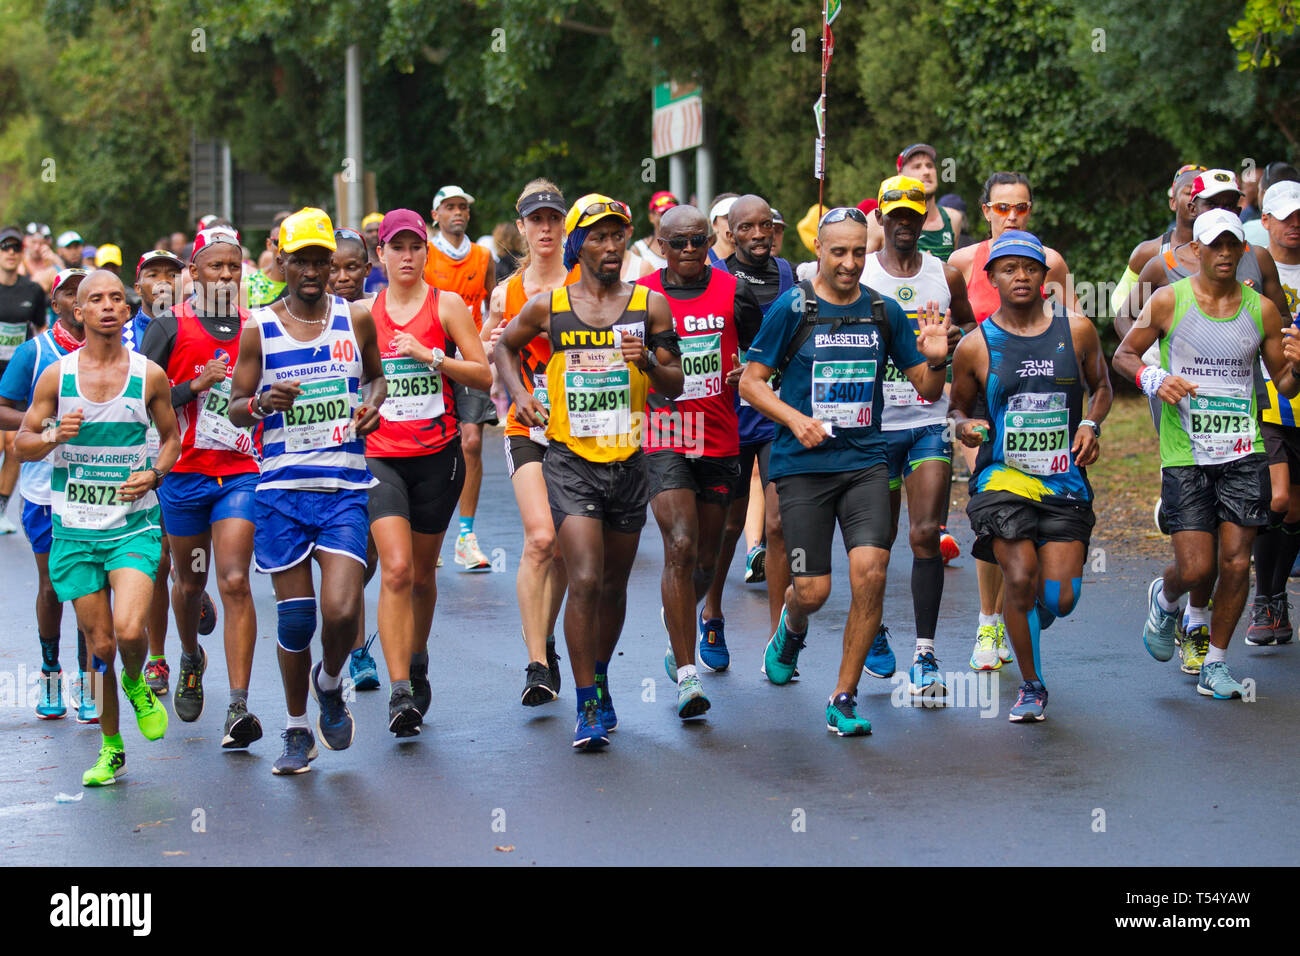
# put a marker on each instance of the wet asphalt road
(1131, 767)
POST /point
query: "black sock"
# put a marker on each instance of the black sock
(1285, 555)
(50, 654)
(1268, 543)
(927, 591)
(82, 657)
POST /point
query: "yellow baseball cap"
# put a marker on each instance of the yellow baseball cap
(307, 227)
(901, 192)
(108, 253)
(592, 207)
(374, 219)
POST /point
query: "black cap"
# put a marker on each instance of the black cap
(541, 200)
(9, 232)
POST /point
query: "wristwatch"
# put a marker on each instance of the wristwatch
(438, 357)
(651, 360)
(157, 477)
(1096, 429)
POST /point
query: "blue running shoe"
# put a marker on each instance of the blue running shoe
(782, 653)
(1158, 634)
(362, 667)
(608, 719)
(924, 679)
(756, 565)
(880, 660)
(335, 724)
(1217, 682)
(590, 734)
(1030, 703)
(842, 717)
(713, 645)
(87, 709)
(51, 706)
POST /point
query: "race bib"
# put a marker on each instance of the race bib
(599, 403)
(538, 432)
(1036, 433)
(842, 392)
(899, 391)
(414, 391)
(214, 428)
(12, 335)
(1220, 427)
(91, 500)
(320, 416)
(701, 365)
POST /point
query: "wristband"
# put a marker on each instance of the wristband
(1137, 379)
(255, 408)
(1151, 379)
(1096, 429)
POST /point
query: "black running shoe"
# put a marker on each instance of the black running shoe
(553, 667)
(420, 689)
(404, 718)
(188, 700)
(537, 686)
(207, 615)
(242, 728)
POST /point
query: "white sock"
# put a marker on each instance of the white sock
(1196, 616)
(924, 647)
(1215, 654)
(297, 723)
(685, 671)
(988, 620)
(1164, 602)
(327, 682)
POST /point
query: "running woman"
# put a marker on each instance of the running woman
(609, 343)
(1030, 504)
(427, 340)
(1213, 329)
(92, 410)
(302, 362)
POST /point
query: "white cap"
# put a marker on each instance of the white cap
(1282, 199)
(67, 238)
(1213, 223)
(721, 208)
(450, 192)
(1213, 182)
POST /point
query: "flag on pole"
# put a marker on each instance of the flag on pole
(819, 111)
(832, 11)
(819, 159)
(828, 49)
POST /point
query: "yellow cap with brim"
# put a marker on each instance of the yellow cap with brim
(108, 253)
(307, 227)
(592, 207)
(373, 219)
(901, 192)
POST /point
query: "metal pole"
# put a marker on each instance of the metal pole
(355, 183)
(227, 186)
(821, 180)
(704, 174)
(677, 176)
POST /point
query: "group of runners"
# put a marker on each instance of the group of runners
(346, 427)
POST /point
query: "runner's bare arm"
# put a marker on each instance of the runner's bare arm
(11, 416)
(490, 286)
(1280, 350)
(248, 377)
(1272, 284)
(666, 377)
(1060, 281)
(30, 443)
(471, 368)
(969, 370)
(932, 341)
(366, 417)
(1156, 317)
(496, 312)
(533, 320)
(963, 317)
(1092, 363)
(158, 396)
(963, 260)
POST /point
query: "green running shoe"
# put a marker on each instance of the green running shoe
(782, 653)
(110, 765)
(1195, 645)
(691, 701)
(842, 717)
(149, 713)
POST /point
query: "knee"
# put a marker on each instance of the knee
(1234, 565)
(296, 624)
(128, 633)
(396, 574)
(1061, 597)
(869, 581)
(189, 585)
(923, 535)
(539, 547)
(340, 610)
(471, 442)
(584, 581)
(233, 583)
(682, 550)
(1281, 500)
(1018, 589)
(811, 593)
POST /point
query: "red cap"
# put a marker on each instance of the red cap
(212, 236)
(916, 148)
(402, 220)
(662, 200)
(868, 205)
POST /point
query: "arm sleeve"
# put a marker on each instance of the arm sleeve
(749, 314)
(1122, 290)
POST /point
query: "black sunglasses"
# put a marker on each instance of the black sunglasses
(681, 242)
(897, 195)
(11, 245)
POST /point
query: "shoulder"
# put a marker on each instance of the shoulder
(1142, 253)
(1054, 259)
(963, 259)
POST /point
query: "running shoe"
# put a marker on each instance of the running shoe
(207, 616)
(334, 723)
(362, 667)
(299, 752)
(880, 660)
(985, 656)
(589, 734)
(421, 691)
(1282, 630)
(7, 526)
(1217, 682)
(51, 706)
(158, 676)
(924, 679)
(469, 555)
(537, 685)
(1158, 634)
(1004, 645)
(691, 701)
(149, 713)
(110, 765)
(1030, 703)
(1162, 522)
(552, 666)
(782, 653)
(404, 718)
(842, 717)
(756, 565)
(242, 728)
(608, 719)
(713, 645)
(949, 549)
(188, 702)
(439, 563)
(1195, 645)
(1262, 629)
(670, 659)
(87, 711)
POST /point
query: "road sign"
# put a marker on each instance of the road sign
(678, 122)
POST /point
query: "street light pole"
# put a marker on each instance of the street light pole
(355, 183)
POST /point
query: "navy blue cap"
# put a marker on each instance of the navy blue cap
(1016, 242)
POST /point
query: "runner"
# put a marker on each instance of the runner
(349, 265)
(647, 255)
(942, 224)
(458, 265)
(40, 264)
(415, 454)
(69, 246)
(22, 314)
(1180, 233)
(375, 278)
(541, 581)
(92, 410)
(1007, 202)
(720, 230)
(1031, 503)
(302, 361)
(16, 389)
(208, 502)
(609, 342)
(778, 231)
(263, 287)
(693, 443)
(1213, 329)
(916, 431)
(828, 337)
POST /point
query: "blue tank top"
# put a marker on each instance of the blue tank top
(1034, 394)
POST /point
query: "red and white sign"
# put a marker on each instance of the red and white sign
(677, 126)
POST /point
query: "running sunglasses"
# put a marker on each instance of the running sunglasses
(681, 242)
(1005, 208)
(605, 208)
(1190, 168)
(840, 213)
(346, 233)
(898, 195)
